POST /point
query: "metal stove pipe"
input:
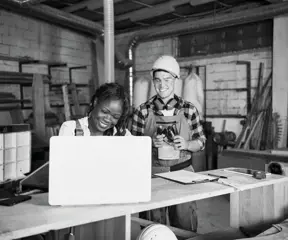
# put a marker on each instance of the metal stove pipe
(109, 40)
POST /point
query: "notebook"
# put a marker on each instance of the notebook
(185, 177)
(99, 170)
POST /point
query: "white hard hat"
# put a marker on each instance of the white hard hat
(156, 232)
(167, 63)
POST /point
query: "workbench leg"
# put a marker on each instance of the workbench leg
(127, 227)
(259, 207)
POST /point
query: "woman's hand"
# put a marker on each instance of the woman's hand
(158, 140)
(180, 143)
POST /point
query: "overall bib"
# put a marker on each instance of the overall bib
(183, 216)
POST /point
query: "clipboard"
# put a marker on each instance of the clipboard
(186, 177)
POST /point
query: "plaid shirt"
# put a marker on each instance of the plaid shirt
(190, 112)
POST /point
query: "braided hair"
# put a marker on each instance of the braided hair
(112, 91)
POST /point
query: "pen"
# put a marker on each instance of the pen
(214, 175)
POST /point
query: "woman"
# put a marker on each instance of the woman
(107, 116)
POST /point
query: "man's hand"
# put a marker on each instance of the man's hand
(180, 143)
(158, 140)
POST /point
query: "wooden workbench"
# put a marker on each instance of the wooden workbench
(254, 202)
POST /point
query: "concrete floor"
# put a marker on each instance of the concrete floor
(213, 214)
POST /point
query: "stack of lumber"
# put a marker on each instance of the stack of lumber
(261, 130)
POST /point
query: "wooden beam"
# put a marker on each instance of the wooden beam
(146, 13)
(38, 106)
(280, 74)
(90, 4)
(94, 68)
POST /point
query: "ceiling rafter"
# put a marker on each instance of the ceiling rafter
(225, 19)
(141, 3)
(163, 8)
(90, 4)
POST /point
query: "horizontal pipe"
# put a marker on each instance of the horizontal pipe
(63, 19)
(53, 15)
(26, 2)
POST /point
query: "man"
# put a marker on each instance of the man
(176, 132)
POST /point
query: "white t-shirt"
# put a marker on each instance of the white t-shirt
(68, 128)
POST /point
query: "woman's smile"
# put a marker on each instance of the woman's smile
(104, 125)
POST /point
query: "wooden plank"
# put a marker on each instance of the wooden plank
(259, 208)
(39, 106)
(67, 109)
(17, 116)
(94, 69)
(234, 213)
(280, 74)
(100, 62)
(73, 89)
(47, 98)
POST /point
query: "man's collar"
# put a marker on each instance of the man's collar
(174, 96)
(177, 98)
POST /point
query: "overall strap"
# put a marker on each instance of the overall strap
(78, 129)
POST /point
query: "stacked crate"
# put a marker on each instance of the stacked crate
(15, 151)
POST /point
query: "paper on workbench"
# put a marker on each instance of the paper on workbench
(185, 177)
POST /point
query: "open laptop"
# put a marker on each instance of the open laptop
(99, 170)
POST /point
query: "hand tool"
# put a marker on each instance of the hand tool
(217, 176)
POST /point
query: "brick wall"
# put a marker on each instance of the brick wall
(21, 36)
(221, 72)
